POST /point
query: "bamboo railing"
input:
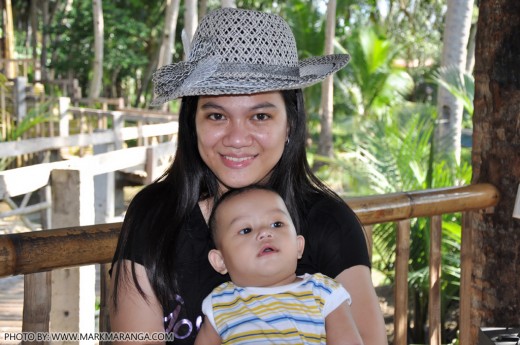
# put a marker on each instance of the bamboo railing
(28, 253)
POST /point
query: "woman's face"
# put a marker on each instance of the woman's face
(241, 137)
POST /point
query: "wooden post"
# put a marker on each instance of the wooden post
(151, 165)
(20, 84)
(104, 188)
(36, 303)
(401, 283)
(466, 267)
(63, 108)
(104, 282)
(118, 122)
(73, 289)
(434, 303)
(64, 104)
(120, 103)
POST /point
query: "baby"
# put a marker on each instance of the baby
(265, 302)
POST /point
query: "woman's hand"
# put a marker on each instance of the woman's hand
(365, 304)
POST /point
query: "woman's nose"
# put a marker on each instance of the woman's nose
(237, 135)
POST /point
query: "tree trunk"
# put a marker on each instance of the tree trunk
(168, 39)
(228, 3)
(203, 8)
(33, 15)
(49, 13)
(97, 71)
(470, 59)
(190, 19)
(495, 294)
(325, 144)
(45, 39)
(454, 52)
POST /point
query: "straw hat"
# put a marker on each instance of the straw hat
(236, 51)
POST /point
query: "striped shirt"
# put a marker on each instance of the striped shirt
(290, 314)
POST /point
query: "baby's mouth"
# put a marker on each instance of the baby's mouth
(267, 249)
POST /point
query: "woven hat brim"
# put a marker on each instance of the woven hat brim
(312, 71)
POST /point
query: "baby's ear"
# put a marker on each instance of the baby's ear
(300, 242)
(217, 261)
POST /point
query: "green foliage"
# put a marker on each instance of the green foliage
(394, 156)
(379, 83)
(460, 85)
(130, 39)
(386, 147)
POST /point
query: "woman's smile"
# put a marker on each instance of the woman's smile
(237, 162)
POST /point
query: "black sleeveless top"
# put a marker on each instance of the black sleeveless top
(334, 241)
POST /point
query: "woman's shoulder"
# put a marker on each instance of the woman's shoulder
(322, 205)
(150, 198)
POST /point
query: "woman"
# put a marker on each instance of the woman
(241, 121)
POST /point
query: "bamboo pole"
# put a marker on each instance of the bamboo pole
(434, 303)
(425, 203)
(401, 283)
(44, 250)
(466, 265)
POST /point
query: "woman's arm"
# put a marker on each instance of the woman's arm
(207, 335)
(133, 313)
(341, 328)
(365, 304)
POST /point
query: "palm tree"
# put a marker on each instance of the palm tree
(454, 53)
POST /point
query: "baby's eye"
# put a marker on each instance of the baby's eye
(261, 117)
(216, 116)
(277, 225)
(245, 231)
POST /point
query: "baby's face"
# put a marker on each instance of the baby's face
(257, 240)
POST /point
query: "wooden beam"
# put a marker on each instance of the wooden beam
(16, 148)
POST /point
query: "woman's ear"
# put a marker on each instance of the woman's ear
(300, 243)
(217, 261)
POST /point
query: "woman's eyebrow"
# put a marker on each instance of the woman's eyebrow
(263, 105)
(213, 105)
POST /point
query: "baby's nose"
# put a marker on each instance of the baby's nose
(265, 233)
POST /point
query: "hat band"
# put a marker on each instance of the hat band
(239, 69)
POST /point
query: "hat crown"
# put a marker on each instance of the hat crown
(245, 37)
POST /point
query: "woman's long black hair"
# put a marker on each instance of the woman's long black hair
(163, 207)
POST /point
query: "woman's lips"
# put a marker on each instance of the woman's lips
(237, 162)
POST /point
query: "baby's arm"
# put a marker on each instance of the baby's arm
(340, 327)
(207, 335)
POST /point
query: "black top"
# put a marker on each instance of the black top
(334, 241)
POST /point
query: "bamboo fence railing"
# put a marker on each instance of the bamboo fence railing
(29, 253)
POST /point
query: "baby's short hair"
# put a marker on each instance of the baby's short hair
(212, 223)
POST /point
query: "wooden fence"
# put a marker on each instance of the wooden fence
(136, 143)
(49, 250)
(128, 143)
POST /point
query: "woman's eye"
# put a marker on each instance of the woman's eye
(245, 231)
(216, 116)
(277, 225)
(261, 117)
